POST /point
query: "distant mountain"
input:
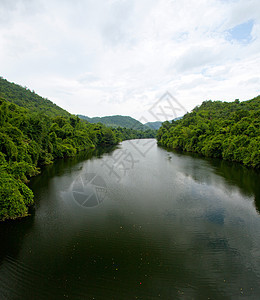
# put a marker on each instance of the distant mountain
(117, 121)
(179, 118)
(156, 125)
(23, 97)
(124, 121)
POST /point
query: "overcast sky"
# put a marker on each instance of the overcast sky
(107, 57)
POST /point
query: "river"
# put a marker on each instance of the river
(137, 222)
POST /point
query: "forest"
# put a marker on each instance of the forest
(227, 130)
(35, 132)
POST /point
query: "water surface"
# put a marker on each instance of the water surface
(136, 223)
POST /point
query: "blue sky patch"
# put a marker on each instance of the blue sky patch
(241, 32)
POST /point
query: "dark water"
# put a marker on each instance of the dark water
(136, 223)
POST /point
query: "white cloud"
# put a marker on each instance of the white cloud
(118, 57)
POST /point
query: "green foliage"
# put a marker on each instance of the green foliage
(15, 197)
(228, 130)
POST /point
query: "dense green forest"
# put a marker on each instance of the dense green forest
(33, 133)
(228, 130)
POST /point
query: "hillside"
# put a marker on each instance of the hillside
(117, 121)
(29, 99)
(228, 130)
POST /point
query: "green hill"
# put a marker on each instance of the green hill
(228, 130)
(29, 99)
(117, 121)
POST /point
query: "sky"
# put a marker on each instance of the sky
(132, 57)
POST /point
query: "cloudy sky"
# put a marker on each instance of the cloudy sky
(106, 57)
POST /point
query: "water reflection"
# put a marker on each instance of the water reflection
(235, 175)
